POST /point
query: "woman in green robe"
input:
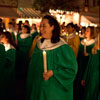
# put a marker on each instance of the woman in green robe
(84, 52)
(55, 83)
(24, 42)
(34, 31)
(91, 75)
(8, 73)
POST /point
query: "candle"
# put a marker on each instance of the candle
(45, 61)
(76, 33)
(80, 31)
(85, 45)
(8, 29)
(4, 30)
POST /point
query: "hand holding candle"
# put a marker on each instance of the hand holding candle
(45, 61)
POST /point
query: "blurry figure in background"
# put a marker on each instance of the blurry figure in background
(85, 50)
(91, 78)
(8, 73)
(20, 25)
(62, 26)
(82, 33)
(24, 41)
(57, 82)
(11, 30)
(72, 38)
(13, 22)
(27, 23)
(34, 31)
(17, 29)
(2, 24)
(64, 32)
(10, 27)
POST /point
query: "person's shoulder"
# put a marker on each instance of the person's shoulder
(66, 47)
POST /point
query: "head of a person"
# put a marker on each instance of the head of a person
(25, 29)
(90, 32)
(70, 28)
(26, 22)
(50, 28)
(6, 37)
(10, 25)
(83, 30)
(17, 26)
(34, 26)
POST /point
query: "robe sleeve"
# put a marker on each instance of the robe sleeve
(65, 66)
(2, 58)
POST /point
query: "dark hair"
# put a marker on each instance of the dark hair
(35, 26)
(1, 29)
(56, 32)
(71, 24)
(10, 23)
(27, 27)
(9, 37)
(92, 30)
(0, 20)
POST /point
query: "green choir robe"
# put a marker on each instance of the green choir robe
(34, 35)
(2, 58)
(92, 78)
(61, 60)
(2, 62)
(24, 45)
(82, 64)
(8, 74)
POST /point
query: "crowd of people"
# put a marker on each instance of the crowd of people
(72, 61)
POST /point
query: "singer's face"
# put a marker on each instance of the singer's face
(46, 29)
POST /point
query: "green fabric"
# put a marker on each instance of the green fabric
(13, 35)
(8, 76)
(82, 64)
(91, 77)
(83, 60)
(60, 86)
(24, 46)
(99, 94)
(34, 35)
(10, 73)
(2, 63)
(2, 58)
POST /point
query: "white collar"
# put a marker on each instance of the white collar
(8, 46)
(47, 45)
(88, 42)
(23, 36)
